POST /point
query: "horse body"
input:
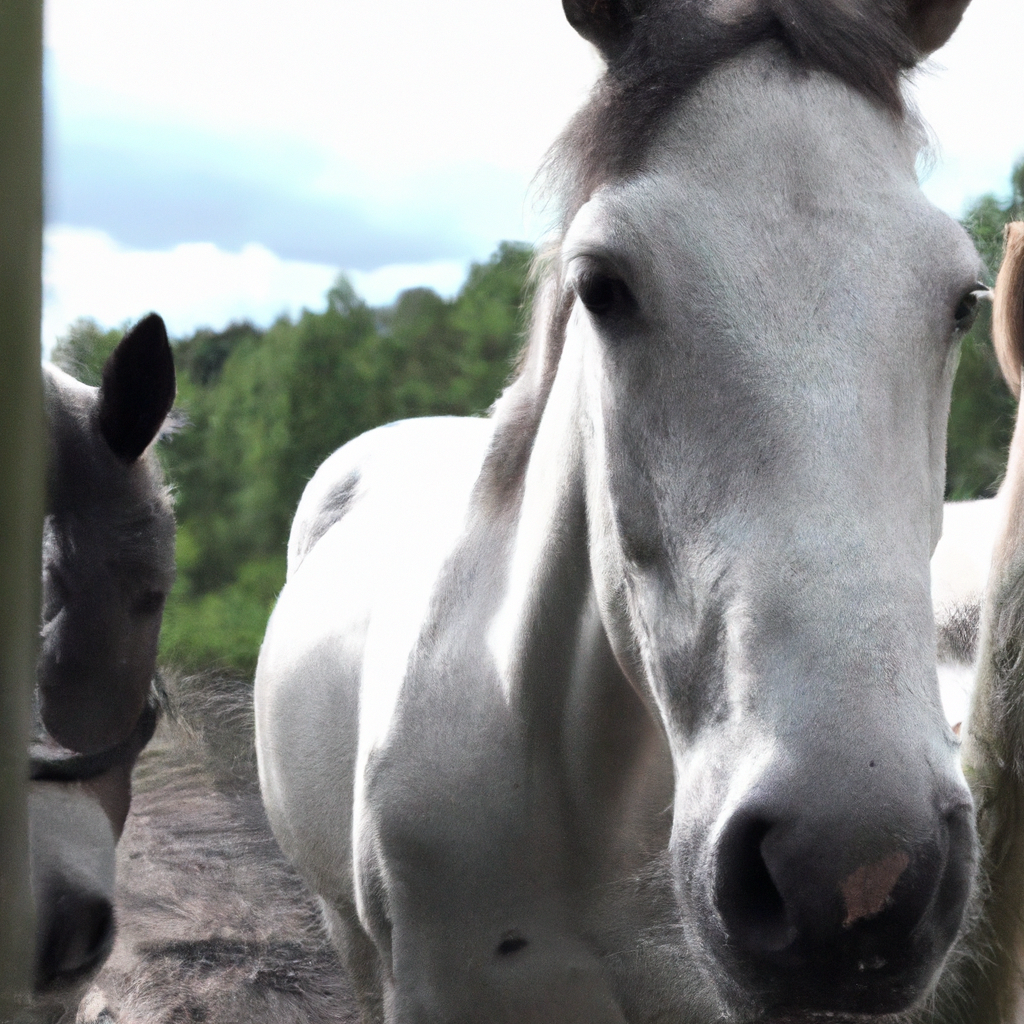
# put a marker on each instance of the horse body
(621, 706)
(107, 563)
(962, 558)
(960, 570)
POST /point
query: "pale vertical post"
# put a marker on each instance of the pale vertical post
(21, 463)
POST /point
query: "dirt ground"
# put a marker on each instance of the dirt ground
(213, 925)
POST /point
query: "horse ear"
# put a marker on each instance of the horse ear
(138, 389)
(605, 23)
(930, 23)
(1008, 308)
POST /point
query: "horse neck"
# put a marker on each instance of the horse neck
(548, 580)
(550, 646)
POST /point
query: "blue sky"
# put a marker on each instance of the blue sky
(228, 159)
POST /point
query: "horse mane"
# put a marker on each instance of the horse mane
(1008, 308)
(675, 45)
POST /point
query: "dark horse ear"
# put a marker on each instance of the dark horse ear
(138, 389)
(605, 23)
(930, 23)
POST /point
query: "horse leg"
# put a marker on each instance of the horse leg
(359, 955)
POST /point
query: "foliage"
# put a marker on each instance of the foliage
(983, 410)
(265, 407)
(84, 349)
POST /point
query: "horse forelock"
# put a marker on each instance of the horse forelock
(675, 46)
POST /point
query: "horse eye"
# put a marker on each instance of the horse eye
(603, 294)
(150, 603)
(967, 310)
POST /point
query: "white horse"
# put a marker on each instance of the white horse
(621, 705)
(108, 564)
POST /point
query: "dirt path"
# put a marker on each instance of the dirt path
(213, 925)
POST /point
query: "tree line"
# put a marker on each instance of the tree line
(261, 408)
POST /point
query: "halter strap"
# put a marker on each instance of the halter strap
(51, 762)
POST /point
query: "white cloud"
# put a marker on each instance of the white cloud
(152, 186)
(364, 134)
(381, 287)
(970, 95)
(391, 93)
(195, 284)
(391, 86)
(86, 274)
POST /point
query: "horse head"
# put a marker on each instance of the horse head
(107, 566)
(625, 700)
(767, 312)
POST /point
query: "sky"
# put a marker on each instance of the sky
(218, 160)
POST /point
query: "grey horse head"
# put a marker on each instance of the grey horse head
(107, 566)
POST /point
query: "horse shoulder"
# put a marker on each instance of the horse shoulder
(371, 533)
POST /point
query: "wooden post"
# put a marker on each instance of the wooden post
(21, 465)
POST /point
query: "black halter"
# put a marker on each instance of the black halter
(51, 762)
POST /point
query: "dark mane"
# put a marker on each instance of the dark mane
(675, 44)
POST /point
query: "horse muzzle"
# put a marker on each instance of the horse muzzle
(72, 867)
(817, 910)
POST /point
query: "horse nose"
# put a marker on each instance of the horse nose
(75, 932)
(834, 914)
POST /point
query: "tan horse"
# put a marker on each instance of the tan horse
(993, 751)
(963, 557)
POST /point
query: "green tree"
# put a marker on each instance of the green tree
(490, 314)
(265, 408)
(84, 349)
(983, 410)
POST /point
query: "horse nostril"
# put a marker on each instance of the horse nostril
(511, 943)
(76, 938)
(817, 912)
(748, 901)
